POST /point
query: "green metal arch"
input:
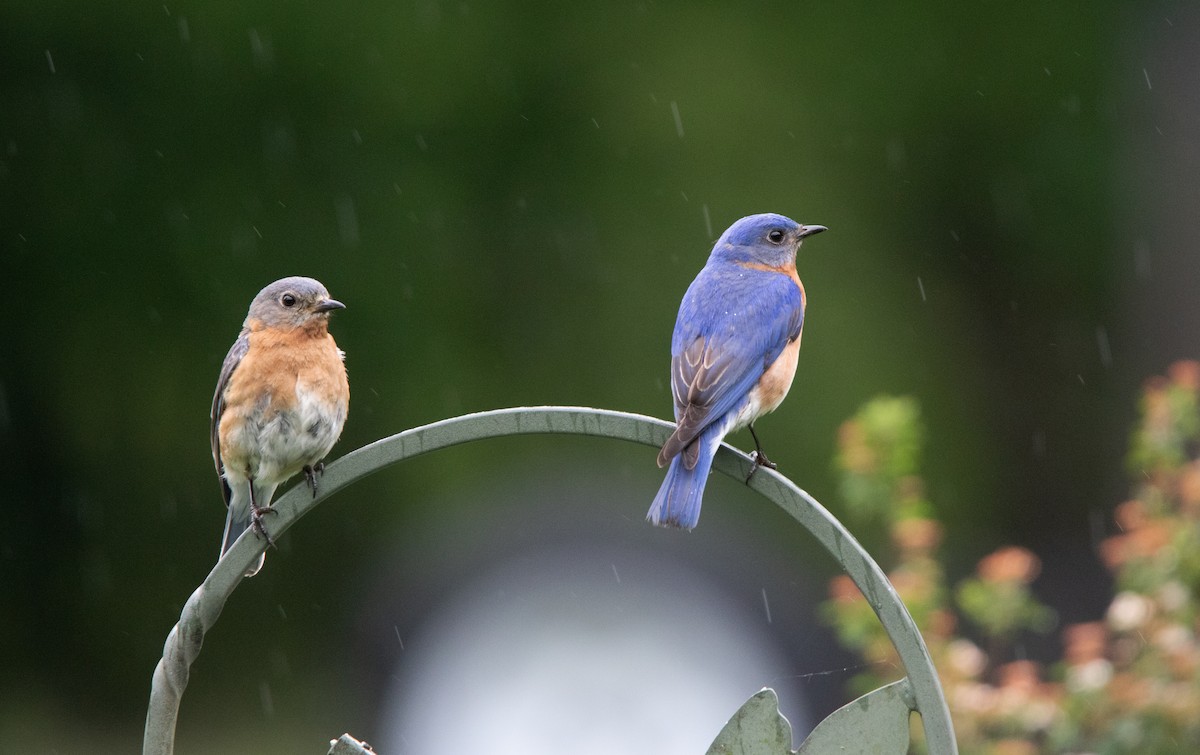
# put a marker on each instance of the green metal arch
(205, 604)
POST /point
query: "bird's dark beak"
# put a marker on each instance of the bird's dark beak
(809, 230)
(328, 305)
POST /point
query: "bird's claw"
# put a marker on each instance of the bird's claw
(759, 459)
(311, 473)
(256, 523)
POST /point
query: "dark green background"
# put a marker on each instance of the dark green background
(511, 200)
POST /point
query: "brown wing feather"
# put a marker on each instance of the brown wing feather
(695, 372)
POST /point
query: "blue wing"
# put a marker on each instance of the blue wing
(733, 323)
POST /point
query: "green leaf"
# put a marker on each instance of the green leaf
(874, 723)
(758, 728)
(348, 745)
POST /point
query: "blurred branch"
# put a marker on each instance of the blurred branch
(204, 606)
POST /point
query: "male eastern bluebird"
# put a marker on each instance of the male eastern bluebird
(733, 354)
(280, 403)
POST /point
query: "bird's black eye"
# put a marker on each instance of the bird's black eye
(775, 236)
(288, 300)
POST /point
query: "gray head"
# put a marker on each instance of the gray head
(767, 239)
(292, 303)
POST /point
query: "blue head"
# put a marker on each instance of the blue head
(767, 239)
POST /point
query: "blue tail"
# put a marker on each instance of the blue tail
(678, 501)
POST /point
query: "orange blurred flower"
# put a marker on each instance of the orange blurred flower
(1020, 676)
(1143, 542)
(1148, 540)
(1114, 551)
(942, 622)
(1130, 515)
(857, 455)
(1129, 691)
(1011, 564)
(843, 590)
(1084, 642)
(1185, 374)
(917, 534)
(1189, 487)
(1014, 747)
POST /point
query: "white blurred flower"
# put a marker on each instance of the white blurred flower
(1090, 676)
(974, 697)
(1040, 714)
(1129, 611)
(965, 658)
(1173, 638)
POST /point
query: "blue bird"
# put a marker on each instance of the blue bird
(733, 354)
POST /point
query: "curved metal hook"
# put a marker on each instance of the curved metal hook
(205, 604)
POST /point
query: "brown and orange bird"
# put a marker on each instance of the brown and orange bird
(280, 403)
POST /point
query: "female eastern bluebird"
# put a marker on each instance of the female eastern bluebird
(280, 403)
(733, 354)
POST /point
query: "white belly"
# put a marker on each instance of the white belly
(772, 387)
(281, 443)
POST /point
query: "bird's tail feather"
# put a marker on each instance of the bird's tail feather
(238, 519)
(678, 501)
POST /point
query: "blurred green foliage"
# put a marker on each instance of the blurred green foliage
(876, 452)
(1127, 684)
(1002, 607)
(1170, 427)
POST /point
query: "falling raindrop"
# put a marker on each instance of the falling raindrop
(268, 704)
(242, 242)
(262, 49)
(678, 119)
(1103, 346)
(347, 221)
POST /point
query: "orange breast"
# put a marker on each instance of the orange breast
(773, 386)
(264, 385)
